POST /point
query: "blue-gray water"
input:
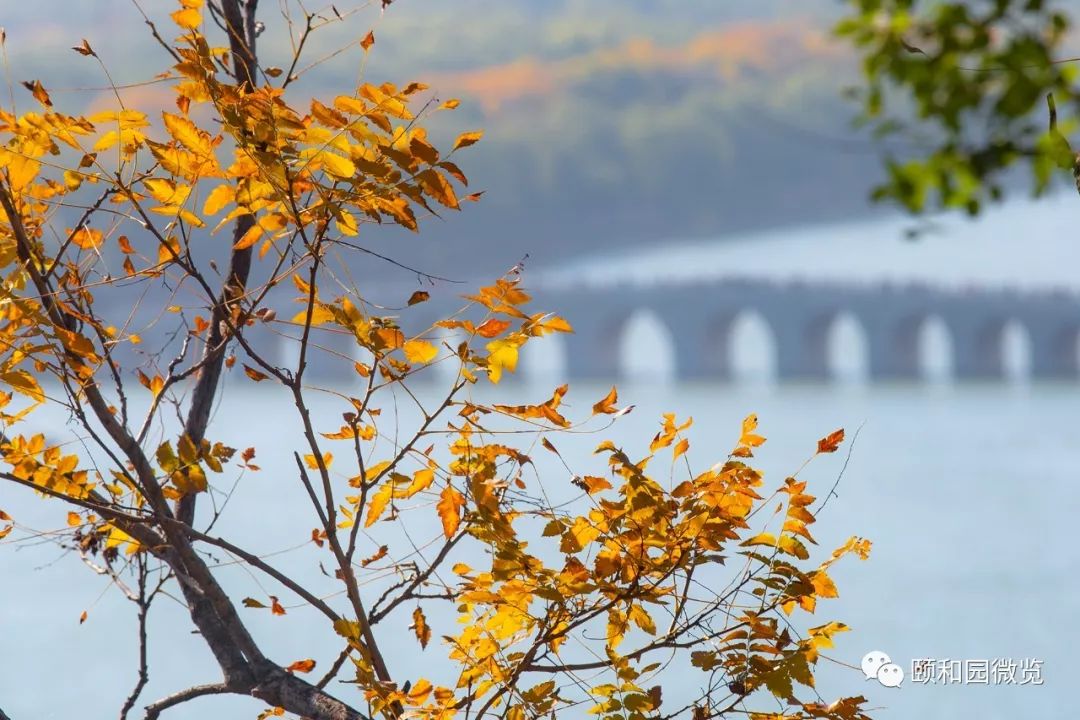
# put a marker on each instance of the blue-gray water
(969, 494)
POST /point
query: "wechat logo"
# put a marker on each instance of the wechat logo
(876, 665)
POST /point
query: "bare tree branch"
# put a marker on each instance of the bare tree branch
(155, 709)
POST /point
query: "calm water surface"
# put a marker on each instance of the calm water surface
(970, 494)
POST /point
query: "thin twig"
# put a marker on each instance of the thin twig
(155, 709)
(144, 670)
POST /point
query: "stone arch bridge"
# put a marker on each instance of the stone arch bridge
(700, 314)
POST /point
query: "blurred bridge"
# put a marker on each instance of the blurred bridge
(700, 315)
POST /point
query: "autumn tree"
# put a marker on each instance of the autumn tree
(577, 592)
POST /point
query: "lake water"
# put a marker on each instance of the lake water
(968, 492)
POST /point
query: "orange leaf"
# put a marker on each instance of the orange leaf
(420, 627)
(607, 405)
(681, 447)
(377, 556)
(748, 437)
(368, 40)
(275, 606)
(492, 327)
(418, 297)
(301, 666)
(593, 484)
(38, 92)
(254, 374)
(84, 49)
(87, 238)
(467, 139)
(449, 508)
(831, 442)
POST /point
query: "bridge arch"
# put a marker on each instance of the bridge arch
(824, 343)
(918, 346)
(629, 342)
(846, 347)
(646, 348)
(993, 348)
(746, 345)
(735, 345)
(1055, 351)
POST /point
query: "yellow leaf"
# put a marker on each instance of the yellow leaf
(250, 238)
(168, 252)
(118, 538)
(824, 585)
(384, 102)
(467, 139)
(73, 519)
(273, 222)
(421, 481)
(188, 18)
(642, 619)
(21, 171)
(378, 503)
(346, 224)
(449, 509)
(87, 238)
(221, 196)
(107, 140)
(420, 351)
(502, 354)
(348, 629)
(24, 383)
(187, 134)
(313, 462)
(335, 164)
(681, 447)
(167, 192)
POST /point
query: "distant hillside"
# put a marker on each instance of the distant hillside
(608, 122)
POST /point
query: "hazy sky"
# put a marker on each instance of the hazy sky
(1023, 244)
